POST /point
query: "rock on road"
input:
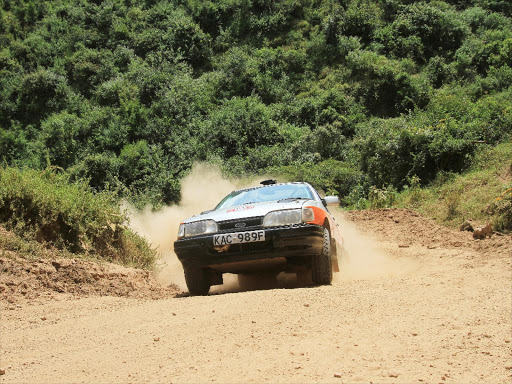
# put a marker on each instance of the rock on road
(439, 309)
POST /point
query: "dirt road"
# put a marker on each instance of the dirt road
(416, 303)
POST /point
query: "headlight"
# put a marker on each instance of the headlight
(181, 231)
(289, 217)
(197, 228)
(308, 215)
(285, 217)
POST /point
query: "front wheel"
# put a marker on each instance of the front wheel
(198, 281)
(322, 264)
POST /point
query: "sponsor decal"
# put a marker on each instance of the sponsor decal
(241, 208)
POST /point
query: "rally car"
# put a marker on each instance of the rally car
(267, 229)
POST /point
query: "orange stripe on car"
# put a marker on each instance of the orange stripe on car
(320, 216)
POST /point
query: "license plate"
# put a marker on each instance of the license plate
(239, 237)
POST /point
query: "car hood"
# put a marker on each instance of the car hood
(247, 210)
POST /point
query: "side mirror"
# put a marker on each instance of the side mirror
(331, 200)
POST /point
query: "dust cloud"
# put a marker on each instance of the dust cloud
(363, 257)
(202, 190)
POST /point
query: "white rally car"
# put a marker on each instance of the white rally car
(267, 229)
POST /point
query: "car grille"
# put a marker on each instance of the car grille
(240, 224)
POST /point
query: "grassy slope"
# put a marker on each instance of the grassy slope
(466, 196)
(44, 209)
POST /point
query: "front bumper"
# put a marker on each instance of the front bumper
(280, 242)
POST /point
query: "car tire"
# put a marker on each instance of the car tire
(198, 281)
(321, 268)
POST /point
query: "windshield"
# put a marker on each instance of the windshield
(267, 193)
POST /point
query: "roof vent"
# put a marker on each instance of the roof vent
(268, 182)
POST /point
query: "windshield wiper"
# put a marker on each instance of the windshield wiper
(293, 198)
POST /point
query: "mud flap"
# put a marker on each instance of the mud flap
(339, 249)
(334, 261)
(336, 255)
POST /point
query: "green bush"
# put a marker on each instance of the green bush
(101, 169)
(381, 198)
(42, 93)
(59, 135)
(87, 68)
(491, 117)
(503, 6)
(438, 72)
(144, 172)
(13, 144)
(422, 31)
(318, 107)
(240, 124)
(479, 52)
(383, 85)
(361, 19)
(393, 150)
(45, 206)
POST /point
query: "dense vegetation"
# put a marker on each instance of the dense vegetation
(46, 208)
(353, 95)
